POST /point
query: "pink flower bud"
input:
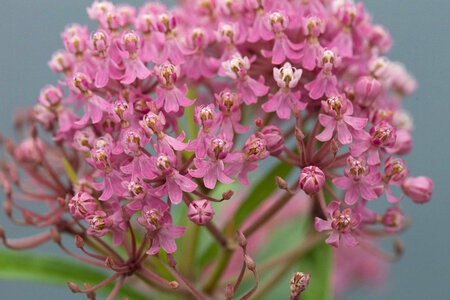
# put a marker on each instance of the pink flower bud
(200, 212)
(419, 189)
(311, 179)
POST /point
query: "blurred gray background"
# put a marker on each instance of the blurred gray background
(30, 32)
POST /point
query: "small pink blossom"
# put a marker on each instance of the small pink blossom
(419, 189)
(359, 180)
(311, 179)
(326, 82)
(340, 224)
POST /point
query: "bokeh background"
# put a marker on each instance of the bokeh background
(30, 30)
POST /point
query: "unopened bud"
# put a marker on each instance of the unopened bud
(109, 262)
(171, 261)
(334, 147)
(227, 195)
(282, 184)
(311, 179)
(79, 241)
(259, 122)
(61, 201)
(298, 283)
(27, 217)
(9, 145)
(249, 262)
(55, 235)
(174, 284)
(33, 131)
(229, 293)
(299, 134)
(399, 248)
(7, 207)
(241, 239)
(75, 288)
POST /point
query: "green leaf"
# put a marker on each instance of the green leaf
(69, 171)
(260, 192)
(41, 268)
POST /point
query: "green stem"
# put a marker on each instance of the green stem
(189, 250)
(218, 271)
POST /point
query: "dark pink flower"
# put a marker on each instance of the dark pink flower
(339, 111)
(81, 205)
(230, 114)
(340, 224)
(382, 136)
(359, 180)
(168, 95)
(158, 221)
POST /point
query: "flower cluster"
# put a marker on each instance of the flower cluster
(155, 108)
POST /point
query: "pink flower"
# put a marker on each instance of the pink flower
(276, 23)
(419, 189)
(338, 116)
(171, 49)
(230, 114)
(152, 41)
(311, 51)
(349, 35)
(395, 172)
(381, 137)
(285, 100)
(158, 221)
(214, 168)
(198, 64)
(243, 163)
(170, 96)
(175, 183)
(82, 205)
(273, 137)
(326, 81)
(250, 89)
(200, 212)
(393, 220)
(95, 105)
(358, 181)
(311, 180)
(134, 67)
(204, 116)
(340, 224)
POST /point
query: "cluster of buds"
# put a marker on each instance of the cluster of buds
(154, 111)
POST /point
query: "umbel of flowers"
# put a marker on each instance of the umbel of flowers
(159, 108)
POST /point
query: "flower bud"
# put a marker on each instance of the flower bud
(75, 288)
(282, 184)
(171, 260)
(55, 235)
(311, 179)
(249, 262)
(229, 293)
(298, 283)
(241, 239)
(419, 189)
(200, 212)
(79, 242)
(227, 195)
(174, 284)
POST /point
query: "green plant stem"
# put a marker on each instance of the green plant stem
(189, 250)
(268, 214)
(218, 271)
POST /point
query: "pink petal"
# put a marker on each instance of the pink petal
(321, 225)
